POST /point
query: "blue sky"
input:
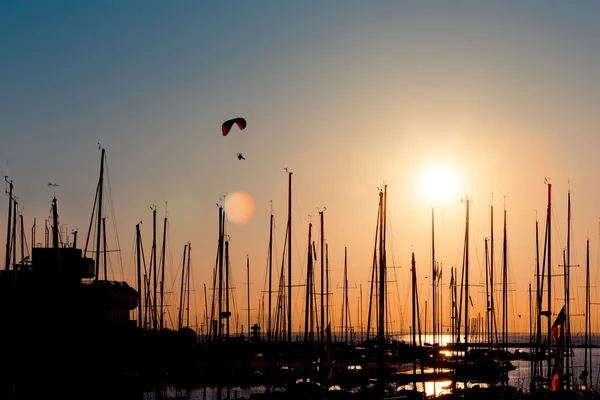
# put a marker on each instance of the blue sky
(346, 94)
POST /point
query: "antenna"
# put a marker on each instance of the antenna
(54, 185)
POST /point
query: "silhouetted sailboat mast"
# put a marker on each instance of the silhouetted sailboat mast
(248, 291)
(180, 314)
(549, 280)
(154, 267)
(8, 236)
(289, 251)
(587, 372)
(504, 287)
(307, 309)
(382, 271)
(269, 326)
(323, 289)
(162, 279)
(435, 338)
(100, 186)
(139, 273)
(220, 273)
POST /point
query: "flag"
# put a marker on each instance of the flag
(557, 332)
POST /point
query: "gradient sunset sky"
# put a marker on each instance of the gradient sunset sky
(348, 95)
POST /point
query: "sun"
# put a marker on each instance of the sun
(439, 183)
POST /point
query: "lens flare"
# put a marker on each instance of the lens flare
(239, 207)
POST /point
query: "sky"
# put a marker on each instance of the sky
(349, 96)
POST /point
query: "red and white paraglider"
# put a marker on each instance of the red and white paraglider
(240, 122)
(227, 125)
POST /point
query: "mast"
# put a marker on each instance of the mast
(467, 201)
(33, 236)
(188, 284)
(384, 259)
(494, 334)
(322, 278)
(549, 254)
(139, 272)
(327, 285)
(227, 312)
(585, 372)
(538, 305)
(248, 277)
(220, 278)
(360, 314)
(307, 314)
(154, 264)
(504, 287)
(487, 296)
(206, 321)
(8, 243)
(99, 218)
(531, 366)
(289, 296)
(14, 235)
(54, 224)
(413, 271)
(180, 318)
(434, 275)
(105, 252)
(22, 237)
(162, 279)
(568, 290)
(345, 300)
(453, 303)
(214, 330)
(381, 319)
(270, 272)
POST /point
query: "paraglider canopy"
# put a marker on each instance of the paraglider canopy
(226, 127)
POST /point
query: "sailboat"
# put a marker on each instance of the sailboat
(56, 305)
